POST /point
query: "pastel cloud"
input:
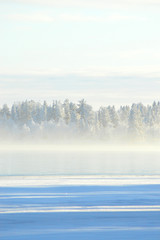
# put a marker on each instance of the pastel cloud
(36, 17)
(88, 3)
(46, 17)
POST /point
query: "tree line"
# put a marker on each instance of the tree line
(68, 120)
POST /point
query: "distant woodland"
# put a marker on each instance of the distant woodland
(67, 121)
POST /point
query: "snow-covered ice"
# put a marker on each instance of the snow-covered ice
(80, 207)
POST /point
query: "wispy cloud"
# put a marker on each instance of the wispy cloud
(109, 18)
(105, 95)
(117, 86)
(146, 71)
(36, 17)
(47, 17)
(89, 3)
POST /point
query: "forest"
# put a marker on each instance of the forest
(68, 121)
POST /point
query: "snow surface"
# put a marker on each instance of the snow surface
(80, 207)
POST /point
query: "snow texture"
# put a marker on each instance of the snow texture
(65, 208)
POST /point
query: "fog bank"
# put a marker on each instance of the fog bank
(84, 159)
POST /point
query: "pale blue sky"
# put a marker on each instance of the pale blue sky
(108, 53)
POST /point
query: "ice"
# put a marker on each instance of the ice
(62, 160)
(80, 207)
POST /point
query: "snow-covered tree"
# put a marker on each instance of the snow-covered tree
(86, 116)
(29, 118)
(136, 128)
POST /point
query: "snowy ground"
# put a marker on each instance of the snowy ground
(65, 208)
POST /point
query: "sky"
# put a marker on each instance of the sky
(107, 52)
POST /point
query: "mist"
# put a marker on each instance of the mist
(78, 159)
(72, 139)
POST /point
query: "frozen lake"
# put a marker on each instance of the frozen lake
(80, 207)
(75, 160)
(72, 193)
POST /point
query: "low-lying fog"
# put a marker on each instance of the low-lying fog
(79, 159)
